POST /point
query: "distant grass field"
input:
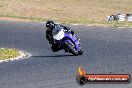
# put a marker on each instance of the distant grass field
(66, 11)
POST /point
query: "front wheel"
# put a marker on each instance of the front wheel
(71, 48)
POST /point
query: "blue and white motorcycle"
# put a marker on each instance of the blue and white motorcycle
(67, 41)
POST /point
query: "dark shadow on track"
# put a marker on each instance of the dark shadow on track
(54, 56)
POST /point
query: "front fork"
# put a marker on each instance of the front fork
(77, 43)
(74, 44)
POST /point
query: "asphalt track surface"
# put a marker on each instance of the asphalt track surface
(106, 50)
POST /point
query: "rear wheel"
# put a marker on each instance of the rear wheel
(80, 52)
(71, 48)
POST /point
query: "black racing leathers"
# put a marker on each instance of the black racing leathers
(55, 47)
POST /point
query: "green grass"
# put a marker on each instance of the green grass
(66, 11)
(8, 53)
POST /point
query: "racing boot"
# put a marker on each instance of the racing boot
(55, 47)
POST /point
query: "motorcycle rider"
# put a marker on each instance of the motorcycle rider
(50, 25)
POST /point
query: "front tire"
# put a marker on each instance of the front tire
(71, 48)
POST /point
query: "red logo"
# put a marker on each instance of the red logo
(82, 77)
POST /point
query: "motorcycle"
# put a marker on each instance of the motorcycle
(67, 41)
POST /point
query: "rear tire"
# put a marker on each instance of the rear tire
(71, 49)
(80, 52)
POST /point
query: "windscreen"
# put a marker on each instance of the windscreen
(56, 30)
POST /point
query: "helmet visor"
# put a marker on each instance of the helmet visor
(47, 25)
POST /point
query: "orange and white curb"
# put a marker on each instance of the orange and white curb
(23, 55)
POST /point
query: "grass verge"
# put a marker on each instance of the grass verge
(8, 53)
(71, 21)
